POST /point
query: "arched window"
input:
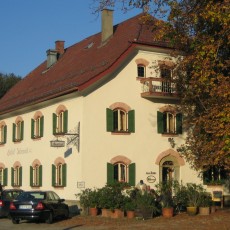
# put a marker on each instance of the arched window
(3, 133)
(60, 122)
(59, 174)
(18, 130)
(121, 169)
(120, 119)
(169, 123)
(141, 70)
(36, 175)
(16, 176)
(37, 125)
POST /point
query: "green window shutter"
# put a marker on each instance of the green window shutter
(5, 174)
(109, 120)
(132, 174)
(42, 126)
(64, 168)
(160, 122)
(12, 176)
(179, 123)
(22, 131)
(14, 132)
(54, 123)
(5, 134)
(40, 175)
(31, 176)
(20, 176)
(32, 128)
(53, 175)
(110, 173)
(131, 117)
(66, 121)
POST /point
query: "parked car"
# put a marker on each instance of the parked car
(38, 205)
(6, 196)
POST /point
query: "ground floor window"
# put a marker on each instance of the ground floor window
(59, 175)
(215, 175)
(121, 172)
(36, 175)
(16, 176)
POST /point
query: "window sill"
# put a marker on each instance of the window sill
(120, 133)
(169, 134)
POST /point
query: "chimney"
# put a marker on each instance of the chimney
(106, 24)
(60, 47)
(53, 55)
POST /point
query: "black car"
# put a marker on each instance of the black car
(39, 206)
(6, 196)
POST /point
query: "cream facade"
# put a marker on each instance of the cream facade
(87, 161)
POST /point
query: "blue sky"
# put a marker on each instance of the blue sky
(30, 27)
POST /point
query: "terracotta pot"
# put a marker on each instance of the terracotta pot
(130, 214)
(213, 209)
(106, 212)
(117, 213)
(93, 211)
(204, 211)
(167, 212)
(192, 211)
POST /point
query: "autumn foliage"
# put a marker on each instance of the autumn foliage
(201, 30)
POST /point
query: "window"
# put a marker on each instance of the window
(141, 71)
(37, 126)
(18, 130)
(166, 75)
(3, 134)
(215, 175)
(121, 172)
(60, 122)
(3, 176)
(119, 120)
(16, 176)
(169, 123)
(36, 175)
(59, 175)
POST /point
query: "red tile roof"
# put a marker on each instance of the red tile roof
(81, 65)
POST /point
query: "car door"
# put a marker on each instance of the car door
(59, 205)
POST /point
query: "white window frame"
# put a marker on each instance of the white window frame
(122, 172)
(2, 176)
(36, 175)
(170, 121)
(17, 176)
(121, 120)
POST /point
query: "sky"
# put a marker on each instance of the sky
(28, 28)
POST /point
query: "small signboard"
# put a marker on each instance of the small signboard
(81, 184)
(57, 143)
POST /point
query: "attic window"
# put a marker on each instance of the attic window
(89, 45)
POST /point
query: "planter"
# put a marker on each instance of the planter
(192, 211)
(117, 213)
(106, 212)
(93, 211)
(167, 212)
(213, 209)
(204, 211)
(130, 214)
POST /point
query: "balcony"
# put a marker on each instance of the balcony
(158, 88)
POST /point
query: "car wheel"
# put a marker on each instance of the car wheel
(50, 218)
(15, 221)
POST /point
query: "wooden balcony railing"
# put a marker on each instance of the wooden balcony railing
(158, 88)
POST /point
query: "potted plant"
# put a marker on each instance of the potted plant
(205, 201)
(130, 207)
(164, 191)
(193, 192)
(146, 205)
(89, 200)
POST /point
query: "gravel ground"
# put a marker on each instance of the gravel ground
(220, 220)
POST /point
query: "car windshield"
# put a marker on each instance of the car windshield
(31, 196)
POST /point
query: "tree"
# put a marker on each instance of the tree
(7, 81)
(201, 30)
